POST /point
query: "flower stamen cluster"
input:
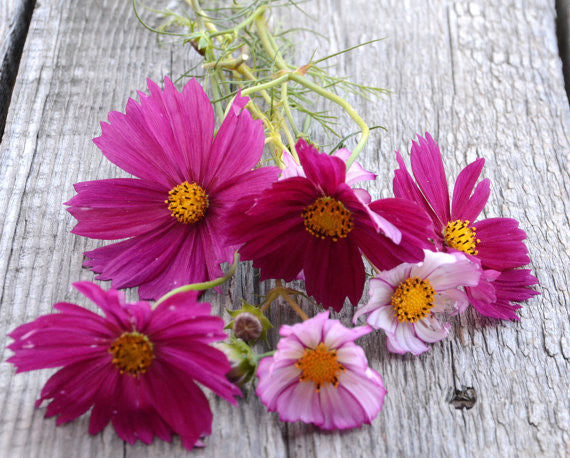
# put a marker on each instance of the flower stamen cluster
(320, 366)
(187, 202)
(328, 217)
(132, 353)
(413, 299)
(459, 235)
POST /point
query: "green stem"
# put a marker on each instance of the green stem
(243, 24)
(263, 355)
(246, 71)
(270, 46)
(261, 87)
(204, 285)
(345, 105)
(287, 110)
(268, 43)
(217, 96)
(198, 10)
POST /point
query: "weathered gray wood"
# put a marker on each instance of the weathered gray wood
(483, 77)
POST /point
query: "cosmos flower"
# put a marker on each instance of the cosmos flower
(318, 375)
(496, 243)
(173, 212)
(317, 223)
(408, 301)
(136, 366)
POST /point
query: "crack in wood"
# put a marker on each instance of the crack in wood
(11, 54)
(563, 35)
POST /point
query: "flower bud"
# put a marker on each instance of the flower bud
(247, 326)
(241, 359)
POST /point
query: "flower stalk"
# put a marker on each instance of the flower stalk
(202, 286)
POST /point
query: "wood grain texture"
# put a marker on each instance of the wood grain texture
(485, 79)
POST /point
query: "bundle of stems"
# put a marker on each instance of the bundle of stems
(241, 53)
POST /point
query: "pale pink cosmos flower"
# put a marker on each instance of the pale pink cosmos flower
(406, 301)
(318, 375)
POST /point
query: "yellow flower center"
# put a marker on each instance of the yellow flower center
(319, 366)
(187, 202)
(328, 217)
(460, 236)
(413, 299)
(132, 353)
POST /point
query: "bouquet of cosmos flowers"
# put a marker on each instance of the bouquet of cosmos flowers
(202, 194)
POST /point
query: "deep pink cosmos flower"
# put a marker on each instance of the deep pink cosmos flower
(407, 302)
(318, 375)
(136, 367)
(496, 243)
(172, 214)
(317, 223)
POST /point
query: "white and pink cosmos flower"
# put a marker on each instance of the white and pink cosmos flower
(407, 302)
(318, 375)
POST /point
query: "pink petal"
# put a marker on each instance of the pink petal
(356, 172)
(405, 188)
(501, 244)
(181, 404)
(451, 301)
(237, 147)
(380, 295)
(367, 388)
(188, 119)
(272, 383)
(292, 169)
(140, 260)
(340, 408)
(300, 401)
(383, 318)
(118, 208)
(466, 206)
(335, 335)
(446, 271)
(427, 167)
(330, 287)
(429, 329)
(405, 339)
(324, 171)
(310, 332)
(353, 358)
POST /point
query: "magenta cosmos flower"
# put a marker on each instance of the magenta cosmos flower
(496, 243)
(317, 223)
(172, 214)
(136, 367)
(318, 375)
(408, 301)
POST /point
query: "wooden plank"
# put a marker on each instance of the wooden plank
(484, 79)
